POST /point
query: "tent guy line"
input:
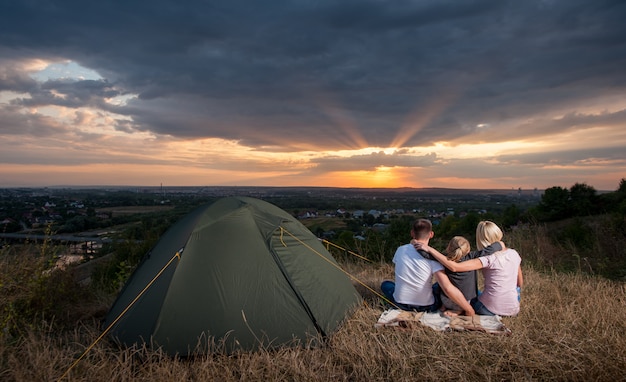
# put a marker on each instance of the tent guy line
(108, 328)
(338, 267)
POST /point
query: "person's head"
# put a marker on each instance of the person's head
(422, 229)
(458, 247)
(487, 233)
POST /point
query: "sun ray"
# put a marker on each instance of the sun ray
(423, 115)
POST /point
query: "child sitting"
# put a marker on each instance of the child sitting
(458, 250)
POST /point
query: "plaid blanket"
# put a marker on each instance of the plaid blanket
(408, 320)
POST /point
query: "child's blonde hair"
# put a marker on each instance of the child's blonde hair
(487, 233)
(457, 248)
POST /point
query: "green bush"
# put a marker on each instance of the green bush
(33, 288)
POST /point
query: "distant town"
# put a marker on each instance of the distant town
(31, 210)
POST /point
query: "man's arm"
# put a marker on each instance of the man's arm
(489, 250)
(453, 293)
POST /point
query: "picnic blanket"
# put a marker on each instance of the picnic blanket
(438, 321)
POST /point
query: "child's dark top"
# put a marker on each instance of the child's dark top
(467, 282)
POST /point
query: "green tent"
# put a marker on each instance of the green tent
(241, 273)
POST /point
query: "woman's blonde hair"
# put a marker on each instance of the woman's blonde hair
(487, 233)
(457, 248)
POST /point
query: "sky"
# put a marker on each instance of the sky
(352, 93)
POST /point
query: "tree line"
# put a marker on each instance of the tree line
(577, 222)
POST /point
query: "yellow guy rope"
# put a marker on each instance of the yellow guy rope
(282, 229)
(176, 256)
(328, 243)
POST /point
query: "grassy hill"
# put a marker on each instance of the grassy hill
(572, 326)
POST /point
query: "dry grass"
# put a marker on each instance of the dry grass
(571, 328)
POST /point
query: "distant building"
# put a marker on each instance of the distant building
(374, 213)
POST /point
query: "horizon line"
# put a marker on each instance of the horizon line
(269, 187)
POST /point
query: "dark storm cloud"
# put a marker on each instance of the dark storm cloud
(14, 79)
(70, 93)
(275, 73)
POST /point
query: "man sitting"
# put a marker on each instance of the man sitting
(413, 288)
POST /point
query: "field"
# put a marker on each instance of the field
(571, 328)
(129, 210)
(325, 223)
